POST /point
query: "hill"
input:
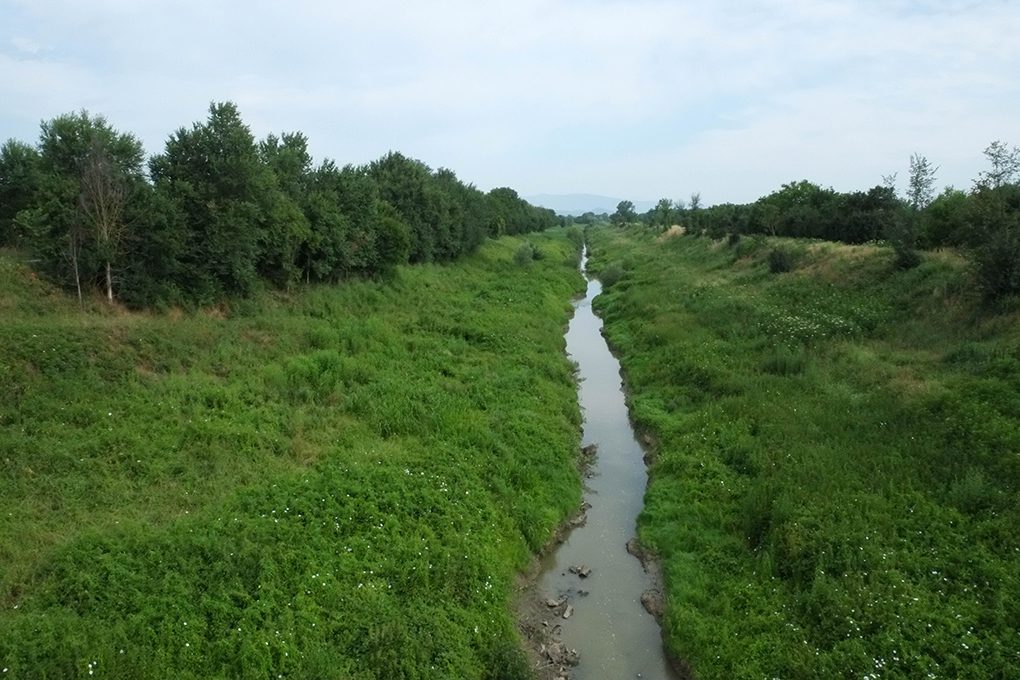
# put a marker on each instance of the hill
(578, 204)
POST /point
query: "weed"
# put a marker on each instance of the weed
(338, 482)
(835, 492)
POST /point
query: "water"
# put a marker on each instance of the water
(610, 629)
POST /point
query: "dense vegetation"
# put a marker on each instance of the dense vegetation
(218, 214)
(985, 221)
(836, 492)
(332, 482)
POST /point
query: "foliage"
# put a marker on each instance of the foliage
(624, 213)
(225, 214)
(59, 220)
(834, 494)
(19, 182)
(995, 240)
(781, 260)
(331, 482)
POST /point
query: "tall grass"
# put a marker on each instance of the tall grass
(338, 483)
(836, 488)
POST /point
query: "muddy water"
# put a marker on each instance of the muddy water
(609, 628)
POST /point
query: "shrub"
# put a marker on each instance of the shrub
(780, 260)
(525, 254)
(734, 239)
(576, 236)
(997, 263)
(610, 275)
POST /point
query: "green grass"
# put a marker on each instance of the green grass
(836, 488)
(337, 483)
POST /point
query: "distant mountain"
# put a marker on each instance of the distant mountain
(578, 204)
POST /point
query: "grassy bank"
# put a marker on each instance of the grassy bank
(836, 489)
(337, 483)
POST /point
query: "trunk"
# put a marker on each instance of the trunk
(74, 263)
(109, 284)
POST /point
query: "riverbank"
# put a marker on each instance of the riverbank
(341, 482)
(836, 482)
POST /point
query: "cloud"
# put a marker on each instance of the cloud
(642, 98)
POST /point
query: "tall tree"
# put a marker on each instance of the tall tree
(103, 197)
(921, 183)
(19, 184)
(214, 175)
(1005, 162)
(72, 231)
(662, 213)
(624, 214)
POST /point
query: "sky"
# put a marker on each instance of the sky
(637, 99)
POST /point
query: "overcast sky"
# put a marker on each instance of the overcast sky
(635, 99)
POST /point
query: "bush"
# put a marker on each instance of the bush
(525, 254)
(995, 243)
(576, 236)
(734, 239)
(780, 260)
(997, 263)
(610, 275)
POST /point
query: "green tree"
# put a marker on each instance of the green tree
(921, 183)
(87, 171)
(946, 219)
(213, 174)
(19, 185)
(624, 213)
(402, 182)
(286, 228)
(1005, 165)
(103, 200)
(662, 213)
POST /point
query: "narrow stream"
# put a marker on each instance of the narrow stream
(610, 629)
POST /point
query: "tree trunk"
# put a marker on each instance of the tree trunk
(74, 263)
(109, 284)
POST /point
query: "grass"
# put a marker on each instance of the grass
(835, 493)
(337, 483)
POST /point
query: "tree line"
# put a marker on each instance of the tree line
(984, 221)
(219, 214)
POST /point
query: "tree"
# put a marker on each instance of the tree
(103, 197)
(662, 213)
(213, 174)
(87, 171)
(19, 184)
(624, 213)
(921, 183)
(285, 227)
(1005, 162)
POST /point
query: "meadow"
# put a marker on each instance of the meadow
(333, 482)
(834, 492)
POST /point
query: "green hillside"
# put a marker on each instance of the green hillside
(835, 493)
(335, 483)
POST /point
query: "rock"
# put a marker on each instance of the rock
(559, 655)
(553, 603)
(582, 570)
(568, 612)
(589, 451)
(651, 600)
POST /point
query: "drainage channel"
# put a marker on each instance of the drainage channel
(591, 577)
